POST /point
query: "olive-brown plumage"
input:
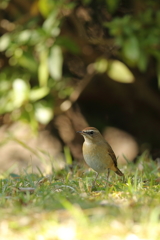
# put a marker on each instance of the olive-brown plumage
(97, 153)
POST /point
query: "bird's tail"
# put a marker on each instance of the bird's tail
(119, 172)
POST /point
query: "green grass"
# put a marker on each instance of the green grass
(62, 206)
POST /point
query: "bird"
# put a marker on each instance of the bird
(98, 154)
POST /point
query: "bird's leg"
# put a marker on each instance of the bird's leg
(95, 179)
(107, 176)
(123, 179)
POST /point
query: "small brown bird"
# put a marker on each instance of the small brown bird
(97, 153)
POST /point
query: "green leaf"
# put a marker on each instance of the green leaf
(55, 63)
(27, 61)
(101, 65)
(24, 36)
(20, 92)
(43, 72)
(112, 5)
(68, 43)
(142, 61)
(46, 6)
(43, 113)
(131, 49)
(4, 84)
(4, 42)
(39, 93)
(51, 24)
(119, 72)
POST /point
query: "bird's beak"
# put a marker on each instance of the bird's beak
(80, 132)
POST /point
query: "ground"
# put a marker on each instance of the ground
(63, 205)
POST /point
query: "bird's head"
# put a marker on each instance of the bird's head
(91, 134)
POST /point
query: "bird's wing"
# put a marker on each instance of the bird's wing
(112, 154)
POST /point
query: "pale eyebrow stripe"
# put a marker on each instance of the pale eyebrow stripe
(90, 131)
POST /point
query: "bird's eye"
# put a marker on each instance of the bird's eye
(91, 132)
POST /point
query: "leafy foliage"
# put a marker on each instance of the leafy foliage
(34, 47)
(138, 37)
(35, 65)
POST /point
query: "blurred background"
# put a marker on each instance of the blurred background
(66, 65)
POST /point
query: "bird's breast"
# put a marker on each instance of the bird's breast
(97, 157)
